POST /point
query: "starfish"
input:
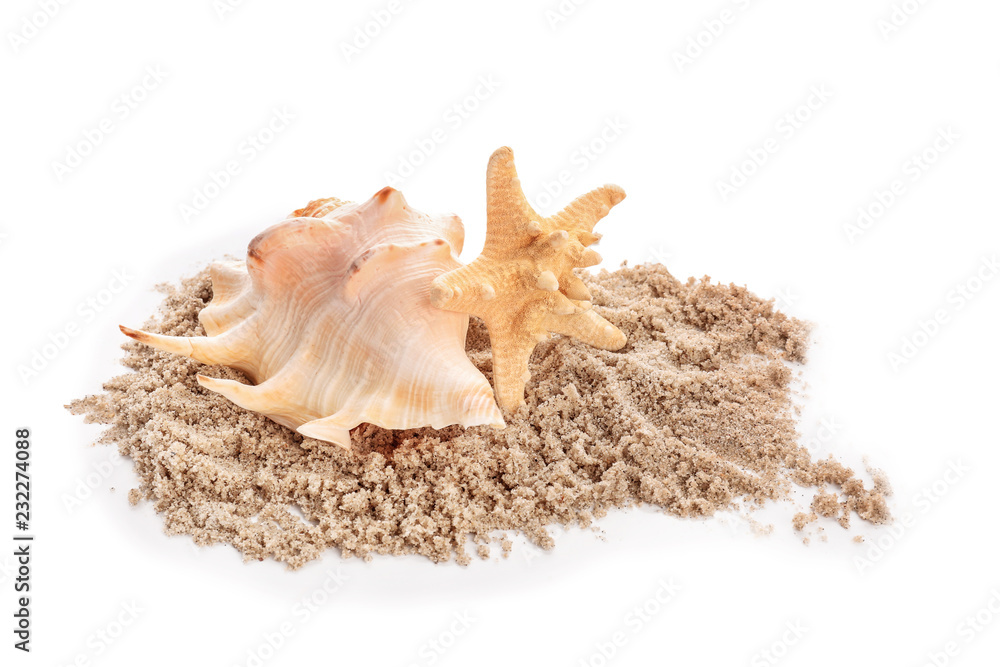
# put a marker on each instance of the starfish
(522, 284)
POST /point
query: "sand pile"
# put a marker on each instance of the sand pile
(693, 415)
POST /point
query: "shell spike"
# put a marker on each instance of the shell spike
(482, 408)
(200, 348)
(251, 397)
(329, 429)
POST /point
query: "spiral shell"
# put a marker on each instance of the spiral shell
(330, 318)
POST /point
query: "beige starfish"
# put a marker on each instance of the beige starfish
(522, 284)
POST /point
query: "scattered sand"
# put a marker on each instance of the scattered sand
(802, 519)
(694, 415)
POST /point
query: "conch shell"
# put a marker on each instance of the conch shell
(330, 318)
(522, 285)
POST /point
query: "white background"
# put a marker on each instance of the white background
(684, 127)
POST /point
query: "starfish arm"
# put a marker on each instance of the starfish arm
(508, 214)
(586, 210)
(588, 327)
(511, 351)
(463, 289)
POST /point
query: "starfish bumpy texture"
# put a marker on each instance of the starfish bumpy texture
(522, 284)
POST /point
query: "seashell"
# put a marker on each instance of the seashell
(522, 285)
(330, 318)
(319, 208)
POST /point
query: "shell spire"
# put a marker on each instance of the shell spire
(522, 285)
(330, 318)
